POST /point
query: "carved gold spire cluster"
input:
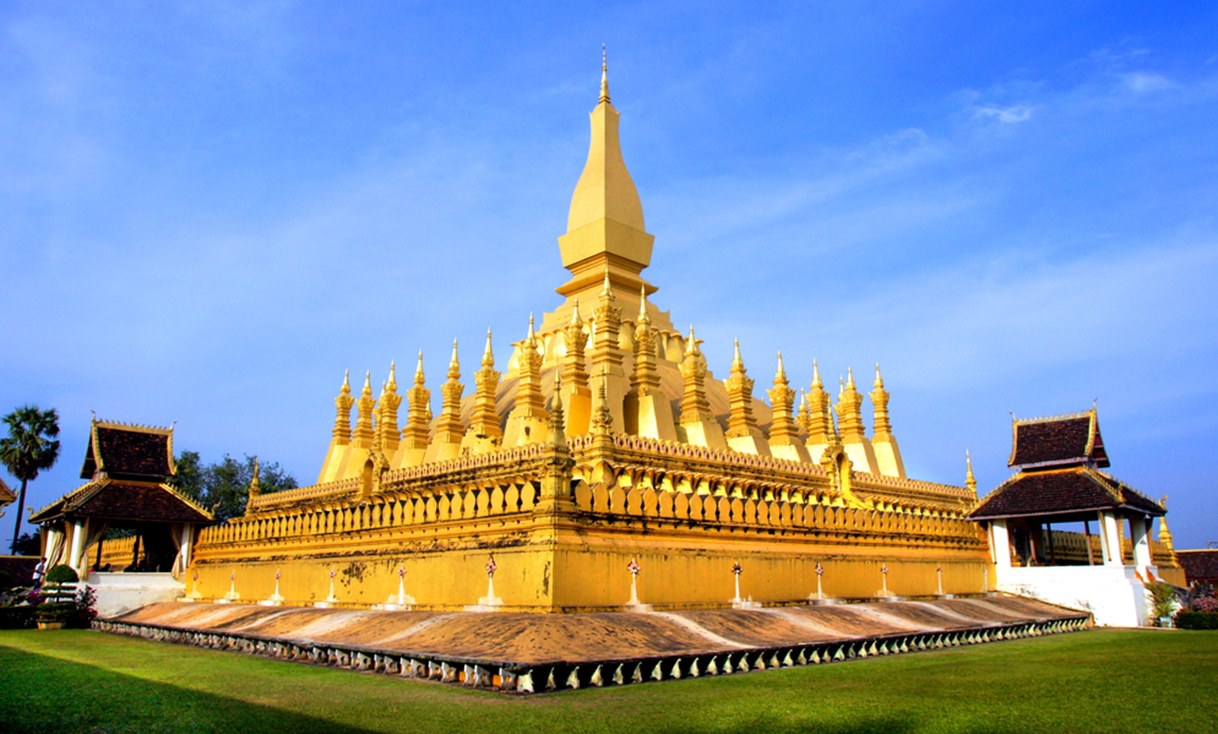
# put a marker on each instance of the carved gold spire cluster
(635, 375)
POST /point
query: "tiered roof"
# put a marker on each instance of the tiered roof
(1058, 461)
(129, 451)
(128, 467)
(1058, 441)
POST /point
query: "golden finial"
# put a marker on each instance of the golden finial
(691, 346)
(643, 303)
(531, 332)
(781, 372)
(737, 361)
(607, 290)
(454, 367)
(850, 378)
(346, 382)
(841, 385)
(604, 75)
(879, 380)
(393, 380)
(970, 481)
(575, 319)
(488, 358)
(418, 371)
(368, 383)
(816, 382)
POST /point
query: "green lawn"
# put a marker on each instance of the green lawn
(78, 681)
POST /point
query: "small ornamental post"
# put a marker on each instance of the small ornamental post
(939, 571)
(737, 570)
(277, 575)
(820, 571)
(884, 570)
(633, 567)
(490, 599)
(401, 586)
(332, 598)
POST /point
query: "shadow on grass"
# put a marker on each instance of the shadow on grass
(778, 725)
(43, 694)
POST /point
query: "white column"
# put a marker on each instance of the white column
(1112, 545)
(1103, 538)
(1000, 544)
(1139, 527)
(188, 531)
(78, 543)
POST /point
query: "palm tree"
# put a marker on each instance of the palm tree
(29, 448)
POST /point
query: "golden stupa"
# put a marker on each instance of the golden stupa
(604, 469)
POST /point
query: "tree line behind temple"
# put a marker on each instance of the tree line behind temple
(223, 486)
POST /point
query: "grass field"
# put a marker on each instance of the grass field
(1127, 681)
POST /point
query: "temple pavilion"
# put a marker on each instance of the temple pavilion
(602, 467)
(1058, 463)
(128, 469)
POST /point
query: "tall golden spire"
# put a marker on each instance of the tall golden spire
(783, 430)
(605, 228)
(849, 410)
(526, 423)
(342, 421)
(740, 395)
(363, 420)
(484, 424)
(646, 379)
(387, 421)
(448, 427)
(970, 481)
(879, 401)
(820, 412)
(415, 434)
(694, 404)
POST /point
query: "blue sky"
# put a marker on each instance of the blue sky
(209, 211)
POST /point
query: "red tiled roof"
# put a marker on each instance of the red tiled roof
(133, 452)
(1063, 491)
(1073, 439)
(1199, 564)
(125, 500)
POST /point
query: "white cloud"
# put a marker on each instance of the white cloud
(1142, 82)
(1011, 114)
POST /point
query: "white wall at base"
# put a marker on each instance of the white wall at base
(1113, 594)
(118, 593)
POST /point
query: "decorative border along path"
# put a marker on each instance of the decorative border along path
(511, 677)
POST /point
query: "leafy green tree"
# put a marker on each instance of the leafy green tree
(224, 485)
(29, 448)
